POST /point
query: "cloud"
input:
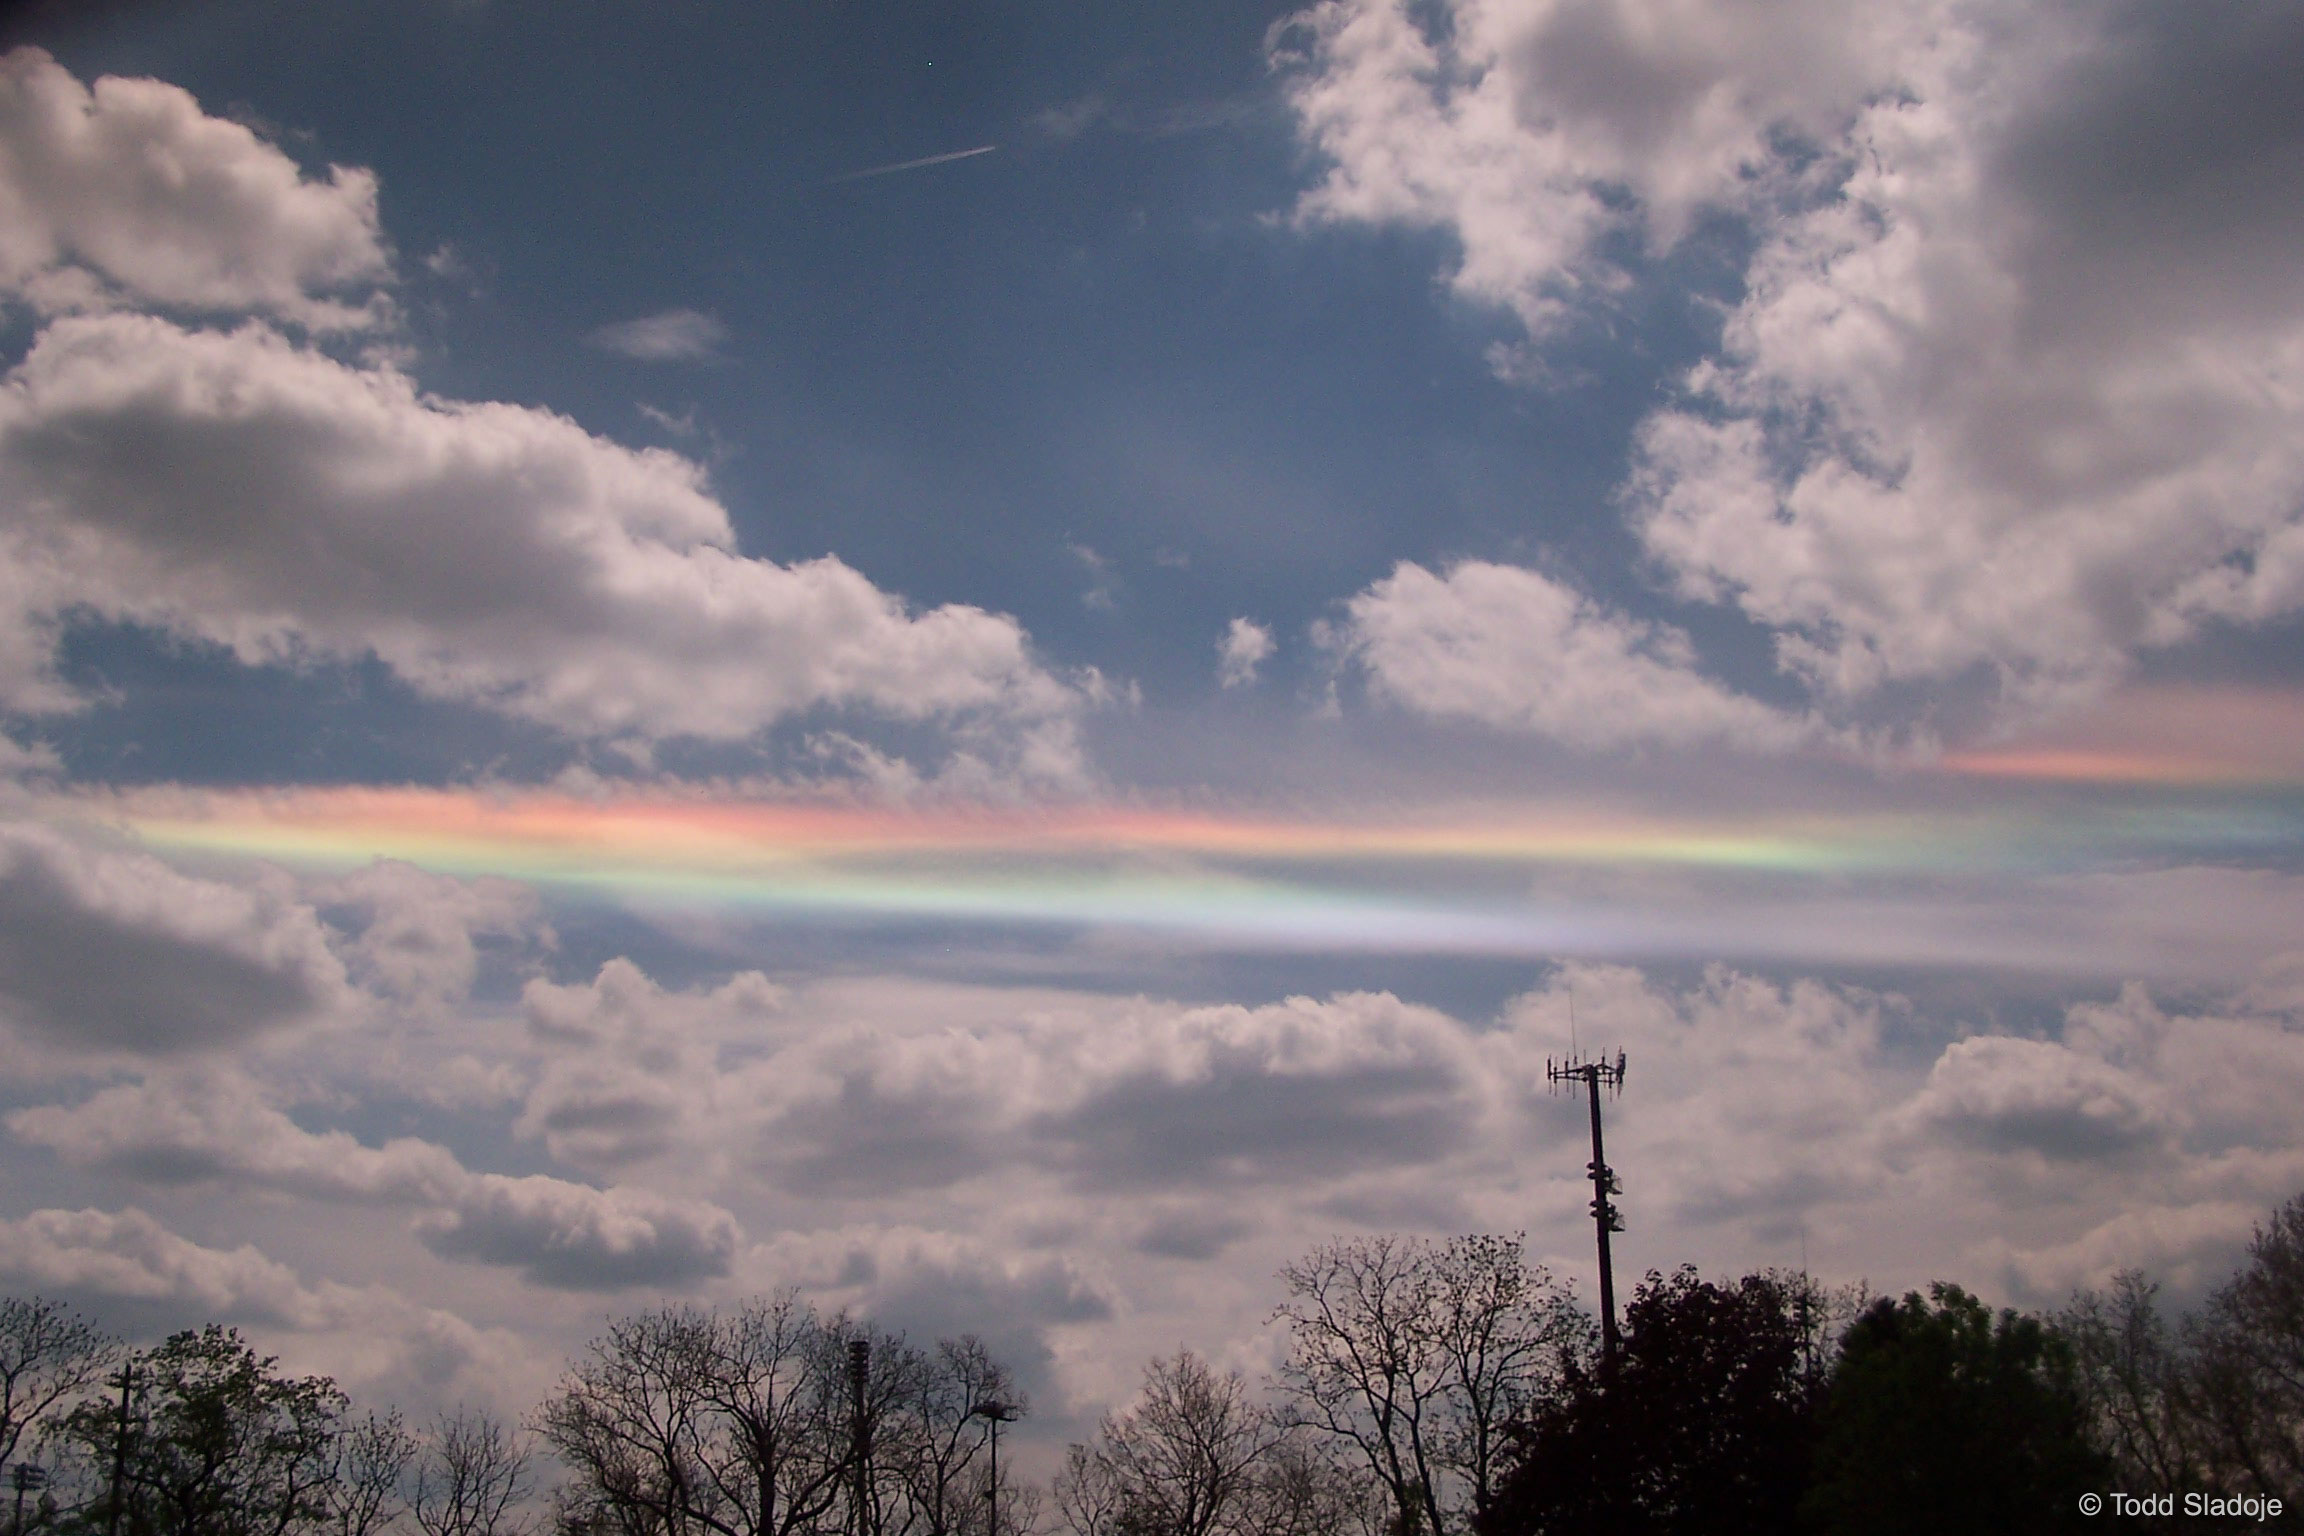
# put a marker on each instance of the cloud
(105, 950)
(675, 336)
(1246, 646)
(127, 191)
(419, 932)
(216, 1127)
(131, 1271)
(242, 490)
(1514, 649)
(2004, 401)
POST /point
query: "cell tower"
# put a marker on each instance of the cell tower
(1596, 1075)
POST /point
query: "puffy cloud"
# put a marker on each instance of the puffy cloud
(1514, 649)
(128, 1256)
(1532, 130)
(2009, 390)
(240, 489)
(676, 335)
(110, 950)
(578, 1238)
(1246, 646)
(127, 190)
(419, 932)
(215, 1126)
(129, 1269)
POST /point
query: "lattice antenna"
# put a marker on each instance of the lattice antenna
(1606, 1219)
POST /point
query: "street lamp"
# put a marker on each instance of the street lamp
(999, 1413)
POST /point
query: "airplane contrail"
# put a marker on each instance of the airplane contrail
(912, 165)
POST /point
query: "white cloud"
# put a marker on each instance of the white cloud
(128, 191)
(2010, 391)
(215, 1127)
(1246, 646)
(676, 335)
(239, 489)
(1514, 649)
(108, 950)
(132, 1257)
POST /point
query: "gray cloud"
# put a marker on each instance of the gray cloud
(103, 950)
(215, 1126)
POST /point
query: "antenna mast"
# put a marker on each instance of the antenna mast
(1595, 1075)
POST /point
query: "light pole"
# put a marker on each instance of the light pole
(999, 1413)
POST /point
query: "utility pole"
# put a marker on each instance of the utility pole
(859, 1374)
(1595, 1075)
(26, 1477)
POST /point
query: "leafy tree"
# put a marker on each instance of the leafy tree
(1704, 1425)
(1411, 1356)
(1943, 1417)
(221, 1445)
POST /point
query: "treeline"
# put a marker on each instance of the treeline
(1428, 1389)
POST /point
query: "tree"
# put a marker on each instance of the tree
(2137, 1389)
(471, 1475)
(222, 1446)
(747, 1424)
(1412, 1356)
(1942, 1417)
(1182, 1462)
(1703, 1426)
(364, 1489)
(48, 1355)
(2245, 1382)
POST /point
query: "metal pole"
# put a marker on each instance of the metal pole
(859, 1370)
(1603, 1213)
(994, 1495)
(120, 1449)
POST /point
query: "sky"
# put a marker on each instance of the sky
(1010, 662)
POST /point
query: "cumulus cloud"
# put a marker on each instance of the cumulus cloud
(420, 933)
(243, 490)
(110, 950)
(2006, 395)
(1246, 646)
(127, 192)
(1514, 649)
(129, 1256)
(676, 335)
(216, 1126)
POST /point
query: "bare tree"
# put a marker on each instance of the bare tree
(471, 1477)
(2132, 1380)
(2245, 1376)
(1412, 1355)
(372, 1456)
(48, 1356)
(750, 1424)
(1182, 1462)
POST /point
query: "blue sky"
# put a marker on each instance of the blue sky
(613, 647)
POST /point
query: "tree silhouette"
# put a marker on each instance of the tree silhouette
(1703, 1426)
(1943, 1417)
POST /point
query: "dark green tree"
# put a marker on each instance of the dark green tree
(219, 1444)
(1945, 1417)
(1704, 1425)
